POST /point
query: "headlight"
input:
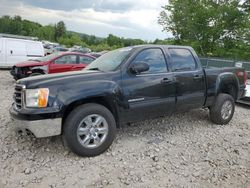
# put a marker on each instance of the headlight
(36, 97)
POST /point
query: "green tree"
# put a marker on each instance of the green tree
(113, 40)
(71, 40)
(207, 25)
(60, 30)
(45, 33)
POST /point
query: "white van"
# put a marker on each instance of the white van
(15, 49)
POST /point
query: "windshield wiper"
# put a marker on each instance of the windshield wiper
(95, 68)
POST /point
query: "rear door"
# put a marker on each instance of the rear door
(63, 64)
(82, 62)
(190, 81)
(151, 93)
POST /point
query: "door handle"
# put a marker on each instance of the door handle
(197, 77)
(165, 81)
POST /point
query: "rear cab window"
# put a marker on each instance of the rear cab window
(182, 59)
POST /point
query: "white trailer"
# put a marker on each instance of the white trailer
(15, 49)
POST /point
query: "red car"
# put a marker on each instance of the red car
(54, 63)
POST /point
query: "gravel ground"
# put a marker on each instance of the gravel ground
(184, 150)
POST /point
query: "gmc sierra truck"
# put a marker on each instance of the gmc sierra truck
(125, 85)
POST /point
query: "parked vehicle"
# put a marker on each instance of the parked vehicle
(56, 49)
(125, 85)
(98, 54)
(51, 47)
(80, 49)
(246, 98)
(14, 49)
(54, 63)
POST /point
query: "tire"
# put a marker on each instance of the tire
(222, 110)
(36, 74)
(82, 120)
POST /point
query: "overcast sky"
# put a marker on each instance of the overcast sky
(124, 18)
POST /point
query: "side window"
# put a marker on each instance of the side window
(85, 60)
(154, 58)
(67, 59)
(182, 60)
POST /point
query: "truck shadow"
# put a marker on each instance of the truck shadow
(164, 126)
(179, 122)
(243, 105)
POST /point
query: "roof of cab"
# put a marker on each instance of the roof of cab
(160, 46)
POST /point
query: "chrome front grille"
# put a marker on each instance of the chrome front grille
(18, 96)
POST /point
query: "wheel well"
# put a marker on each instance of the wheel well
(230, 89)
(98, 100)
(38, 71)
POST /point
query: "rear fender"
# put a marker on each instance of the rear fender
(225, 79)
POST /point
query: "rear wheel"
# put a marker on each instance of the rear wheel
(223, 109)
(89, 129)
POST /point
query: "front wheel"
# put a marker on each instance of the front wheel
(89, 129)
(223, 109)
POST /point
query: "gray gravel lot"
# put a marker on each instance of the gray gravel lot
(184, 150)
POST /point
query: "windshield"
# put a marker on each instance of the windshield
(46, 58)
(109, 61)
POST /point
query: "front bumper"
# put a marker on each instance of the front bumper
(40, 128)
(38, 124)
(18, 73)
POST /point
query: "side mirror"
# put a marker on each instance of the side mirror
(138, 68)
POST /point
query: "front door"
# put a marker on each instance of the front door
(190, 81)
(150, 93)
(63, 64)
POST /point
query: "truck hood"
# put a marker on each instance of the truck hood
(51, 80)
(30, 63)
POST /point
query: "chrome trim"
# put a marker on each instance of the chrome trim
(19, 96)
(136, 100)
(92, 131)
(40, 128)
(21, 85)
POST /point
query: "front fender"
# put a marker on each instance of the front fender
(43, 68)
(84, 90)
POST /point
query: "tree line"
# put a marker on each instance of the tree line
(58, 33)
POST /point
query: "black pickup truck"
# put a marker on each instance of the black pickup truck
(125, 85)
